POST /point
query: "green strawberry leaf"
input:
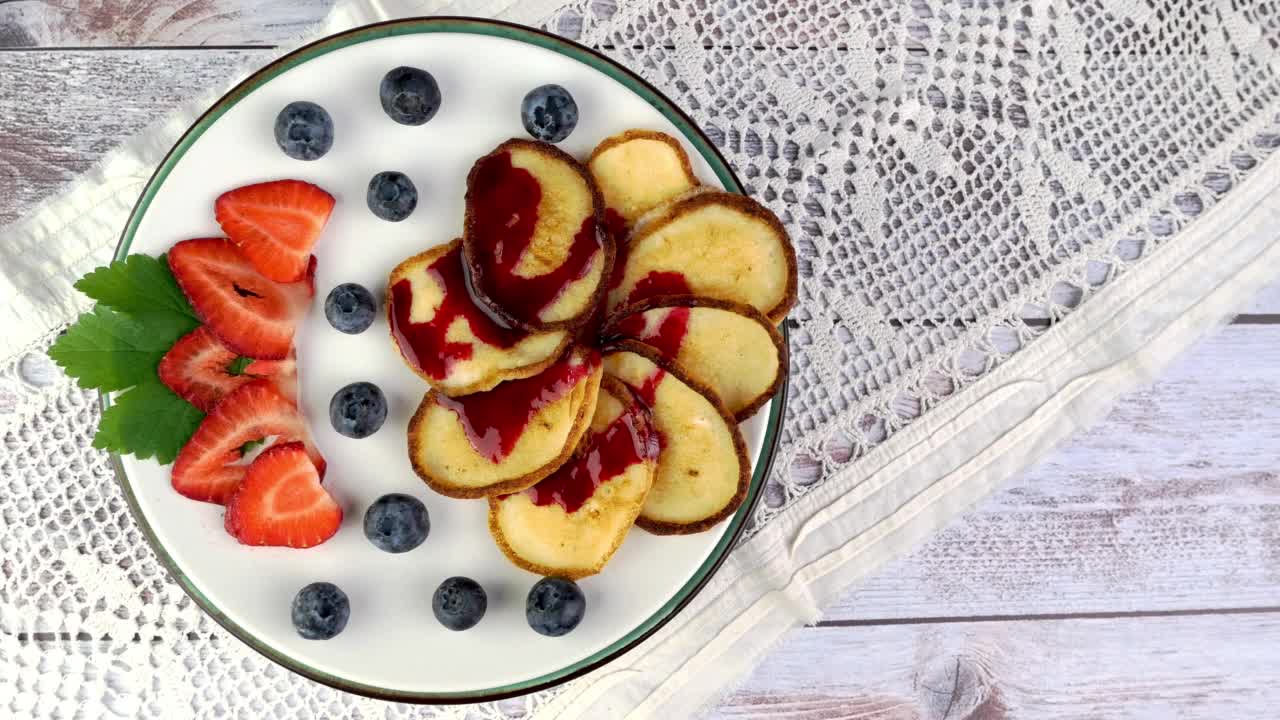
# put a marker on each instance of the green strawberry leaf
(141, 313)
(237, 366)
(111, 350)
(137, 284)
(147, 421)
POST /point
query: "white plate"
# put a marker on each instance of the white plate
(393, 646)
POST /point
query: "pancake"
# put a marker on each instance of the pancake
(728, 347)
(448, 340)
(703, 472)
(572, 522)
(532, 241)
(508, 438)
(638, 170)
(714, 244)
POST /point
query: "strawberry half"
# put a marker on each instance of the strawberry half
(208, 468)
(281, 502)
(276, 224)
(196, 368)
(250, 314)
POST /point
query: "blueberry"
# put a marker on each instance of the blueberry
(409, 95)
(555, 606)
(549, 113)
(459, 603)
(392, 196)
(320, 611)
(358, 410)
(397, 523)
(350, 308)
(304, 131)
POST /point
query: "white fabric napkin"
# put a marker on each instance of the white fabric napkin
(867, 512)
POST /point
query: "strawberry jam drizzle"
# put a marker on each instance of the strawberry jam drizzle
(495, 419)
(659, 282)
(648, 390)
(648, 393)
(629, 439)
(615, 226)
(666, 338)
(504, 202)
(425, 345)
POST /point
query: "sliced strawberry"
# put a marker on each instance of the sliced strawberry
(284, 373)
(208, 466)
(281, 502)
(197, 368)
(276, 224)
(250, 314)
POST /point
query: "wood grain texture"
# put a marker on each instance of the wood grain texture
(127, 23)
(1172, 503)
(1208, 667)
(60, 111)
(1266, 303)
(134, 23)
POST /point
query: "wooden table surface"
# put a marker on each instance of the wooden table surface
(1135, 573)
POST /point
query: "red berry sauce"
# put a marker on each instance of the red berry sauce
(504, 202)
(424, 344)
(629, 439)
(495, 419)
(666, 338)
(615, 225)
(659, 282)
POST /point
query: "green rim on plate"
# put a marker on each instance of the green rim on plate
(632, 82)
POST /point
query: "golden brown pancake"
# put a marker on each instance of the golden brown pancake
(506, 439)
(449, 341)
(703, 472)
(728, 347)
(571, 523)
(638, 170)
(714, 244)
(532, 239)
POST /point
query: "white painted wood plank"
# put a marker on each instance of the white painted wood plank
(1267, 301)
(1172, 503)
(1148, 668)
(125, 23)
(62, 110)
(133, 23)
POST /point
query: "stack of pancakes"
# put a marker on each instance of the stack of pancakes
(591, 343)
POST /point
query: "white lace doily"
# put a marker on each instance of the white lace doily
(957, 179)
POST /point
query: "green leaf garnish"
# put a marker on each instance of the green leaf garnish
(137, 284)
(148, 421)
(110, 350)
(250, 446)
(141, 313)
